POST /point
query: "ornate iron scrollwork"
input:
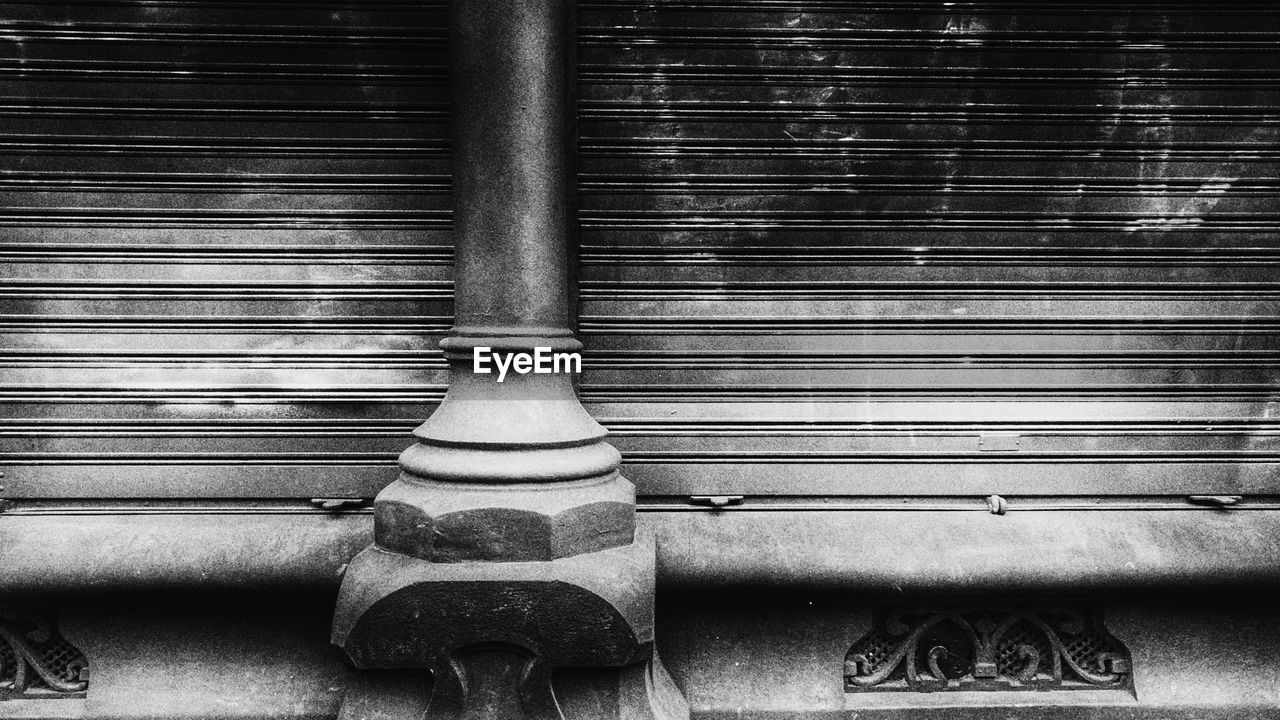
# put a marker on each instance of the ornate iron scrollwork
(37, 662)
(928, 649)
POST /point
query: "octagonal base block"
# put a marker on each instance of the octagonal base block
(449, 522)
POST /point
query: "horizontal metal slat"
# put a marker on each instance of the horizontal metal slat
(731, 227)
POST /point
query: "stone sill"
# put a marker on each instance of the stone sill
(889, 552)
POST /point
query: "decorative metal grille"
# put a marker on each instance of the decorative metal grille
(37, 662)
(927, 649)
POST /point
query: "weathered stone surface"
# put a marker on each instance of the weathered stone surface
(459, 522)
(395, 611)
(492, 633)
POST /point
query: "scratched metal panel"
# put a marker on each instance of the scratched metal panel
(225, 257)
(826, 246)
(851, 248)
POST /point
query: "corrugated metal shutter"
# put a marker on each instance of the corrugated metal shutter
(886, 248)
(225, 244)
(827, 247)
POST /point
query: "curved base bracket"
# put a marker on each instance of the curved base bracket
(552, 640)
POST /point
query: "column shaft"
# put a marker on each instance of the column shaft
(511, 106)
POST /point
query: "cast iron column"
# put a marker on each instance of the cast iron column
(507, 547)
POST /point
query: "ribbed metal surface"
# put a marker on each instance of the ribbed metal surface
(225, 244)
(842, 247)
(827, 247)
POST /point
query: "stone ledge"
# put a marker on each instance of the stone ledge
(877, 552)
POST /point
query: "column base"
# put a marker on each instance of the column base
(493, 635)
(451, 522)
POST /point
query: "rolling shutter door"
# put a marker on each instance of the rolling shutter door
(225, 244)
(827, 248)
(879, 248)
